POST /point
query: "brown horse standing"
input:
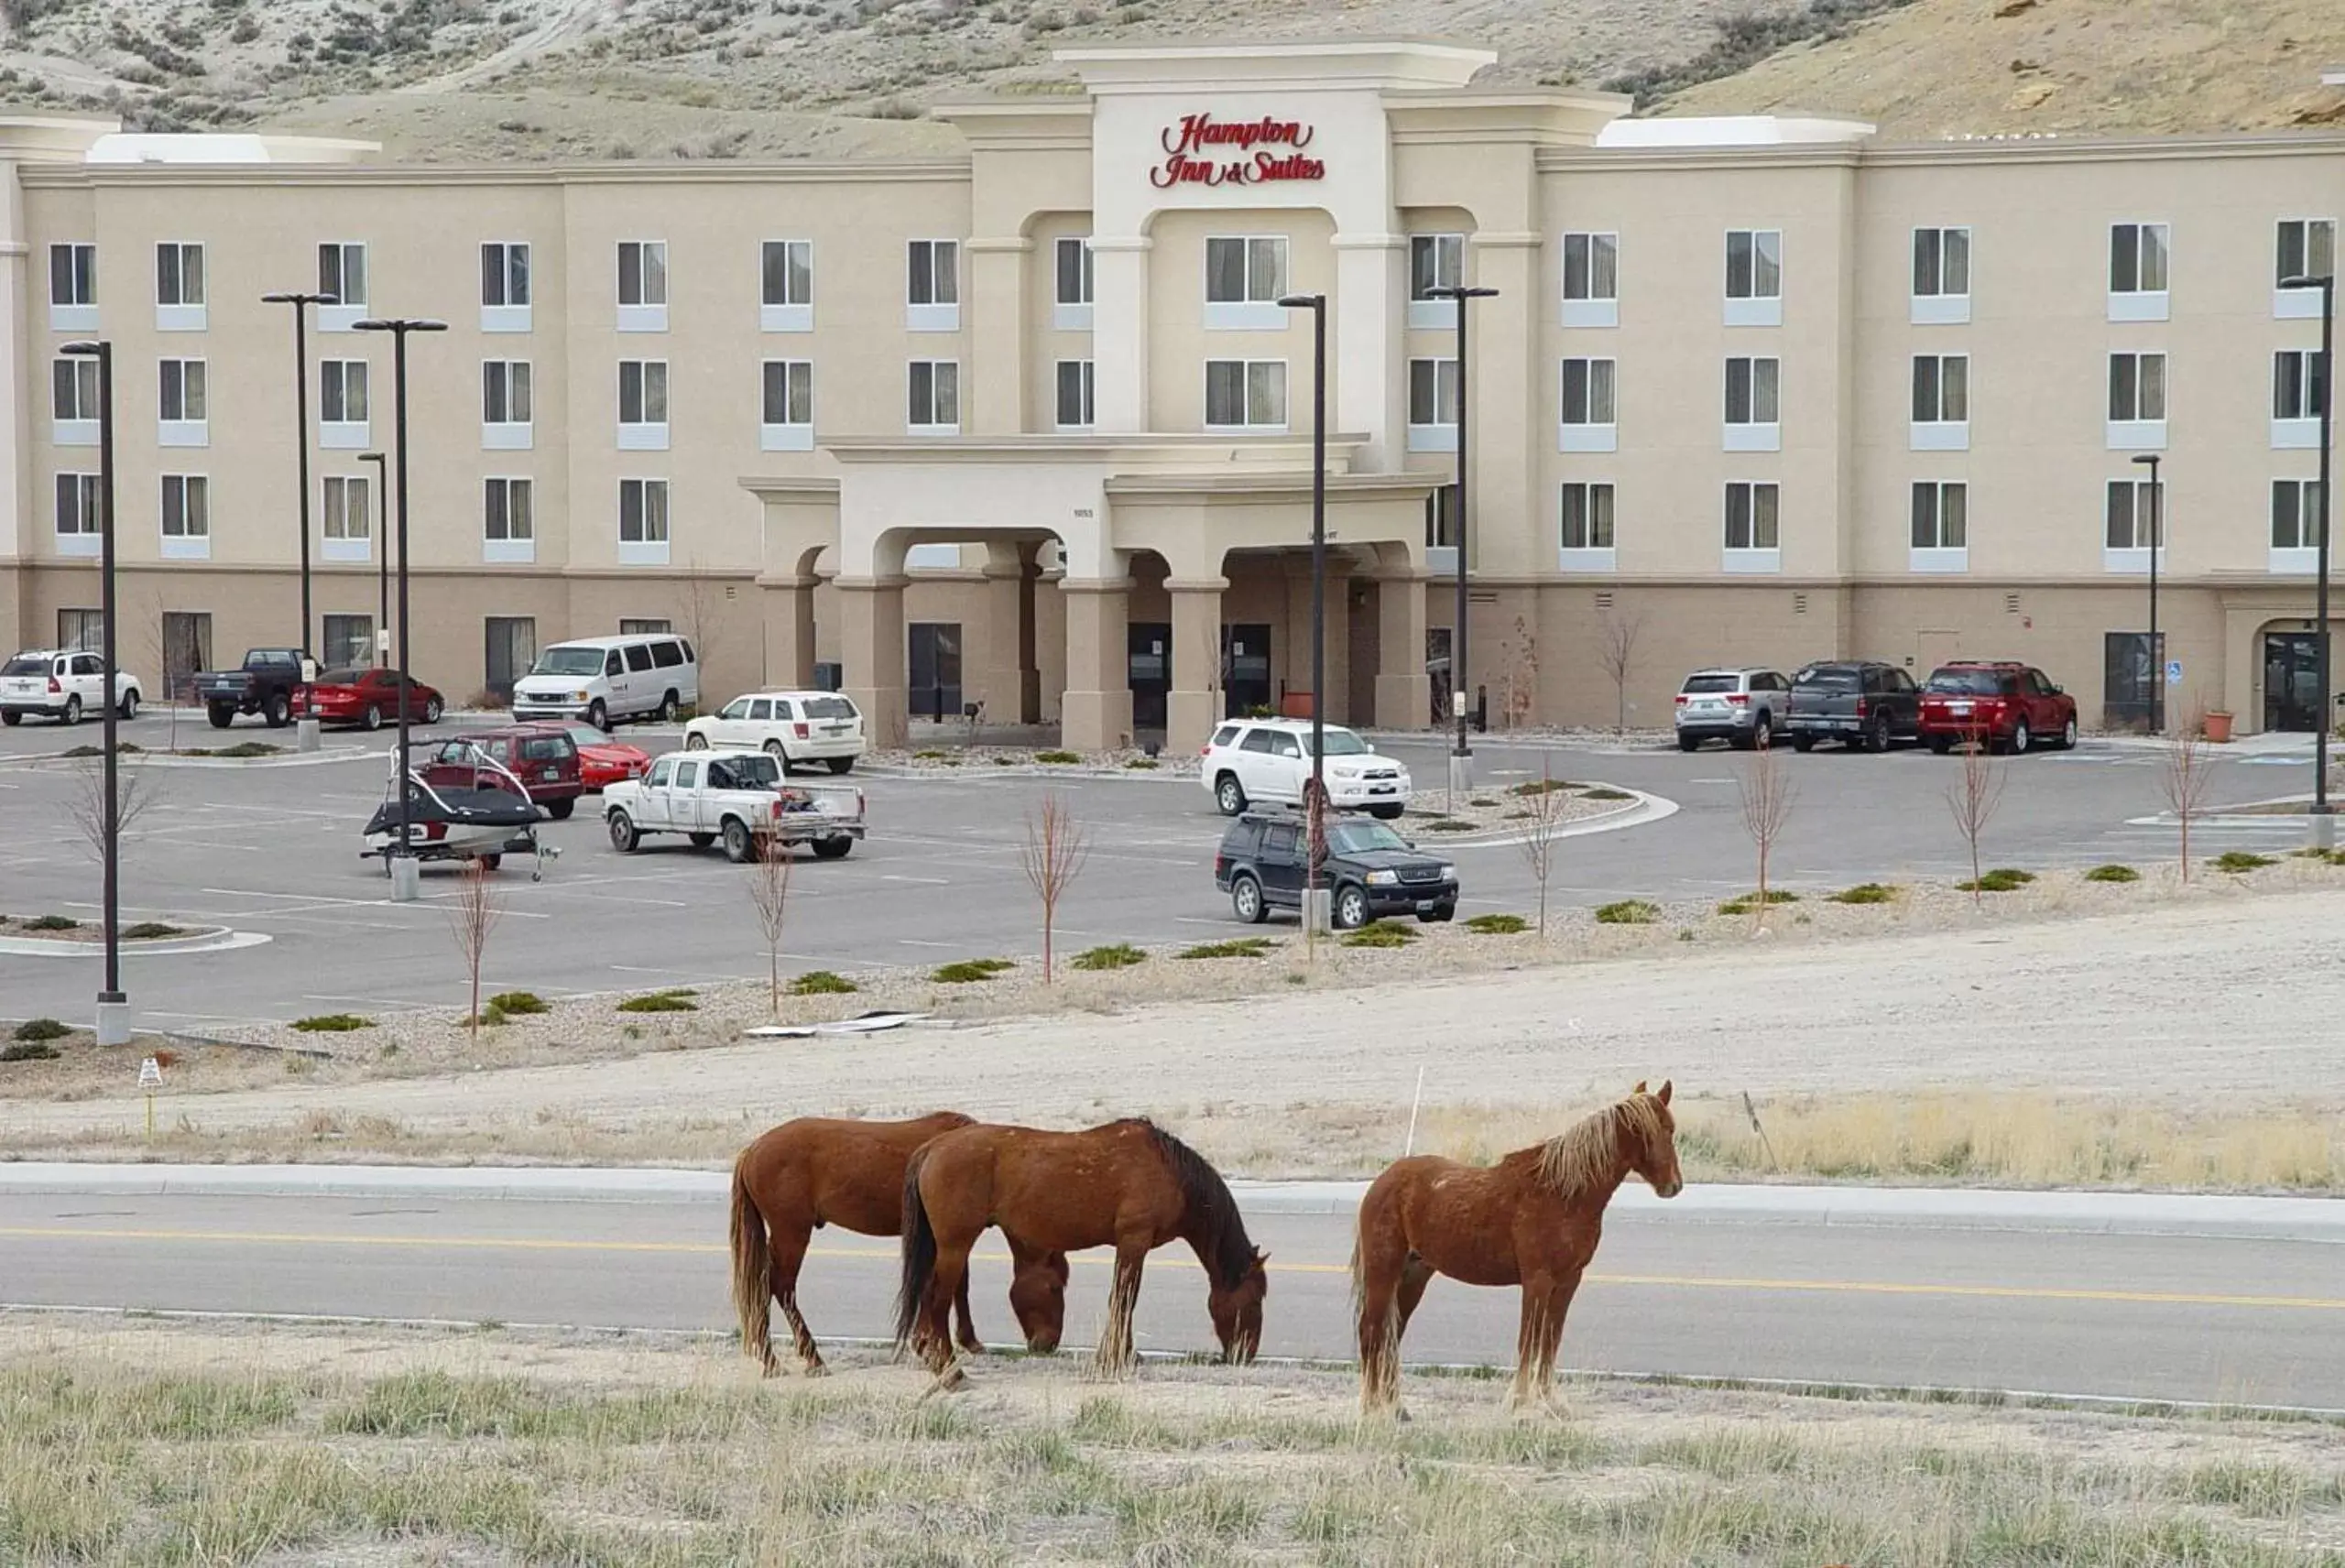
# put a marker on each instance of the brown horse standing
(1128, 1185)
(815, 1172)
(1532, 1219)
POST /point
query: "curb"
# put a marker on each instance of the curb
(221, 940)
(1645, 808)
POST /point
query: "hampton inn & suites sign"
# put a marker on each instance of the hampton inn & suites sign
(1201, 151)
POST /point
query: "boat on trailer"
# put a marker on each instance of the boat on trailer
(484, 818)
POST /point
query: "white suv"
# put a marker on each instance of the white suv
(62, 684)
(1249, 760)
(794, 727)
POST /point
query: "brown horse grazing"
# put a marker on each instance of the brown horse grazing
(1532, 1219)
(1128, 1185)
(815, 1171)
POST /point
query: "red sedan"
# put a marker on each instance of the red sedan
(367, 698)
(603, 761)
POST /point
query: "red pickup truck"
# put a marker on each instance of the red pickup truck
(2008, 707)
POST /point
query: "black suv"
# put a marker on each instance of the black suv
(1370, 871)
(1863, 703)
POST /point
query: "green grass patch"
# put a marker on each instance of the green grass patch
(332, 1023)
(1865, 893)
(151, 930)
(2113, 873)
(1497, 925)
(1121, 955)
(518, 1002)
(243, 749)
(1482, 801)
(2002, 880)
(1235, 947)
(1628, 912)
(1542, 787)
(1058, 759)
(28, 1050)
(1144, 764)
(77, 752)
(2242, 861)
(823, 983)
(52, 922)
(1447, 824)
(931, 754)
(969, 971)
(41, 1028)
(1749, 901)
(1606, 792)
(1381, 933)
(676, 1001)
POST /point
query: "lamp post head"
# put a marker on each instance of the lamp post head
(298, 299)
(83, 348)
(2152, 460)
(399, 324)
(2325, 282)
(371, 457)
(1461, 291)
(1303, 302)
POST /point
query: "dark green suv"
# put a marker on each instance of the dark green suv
(1370, 870)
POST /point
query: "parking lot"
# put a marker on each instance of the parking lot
(272, 849)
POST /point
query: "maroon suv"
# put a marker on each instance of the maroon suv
(2008, 707)
(543, 756)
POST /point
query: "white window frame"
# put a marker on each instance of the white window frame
(653, 389)
(932, 267)
(1752, 555)
(508, 434)
(1087, 407)
(1448, 253)
(1935, 548)
(2152, 263)
(1761, 389)
(183, 430)
(1258, 311)
(933, 426)
(794, 310)
(81, 263)
(336, 540)
(2129, 428)
(1940, 390)
(1598, 501)
(508, 261)
(346, 313)
(2313, 235)
(1433, 388)
(2300, 498)
(182, 314)
(2296, 384)
(786, 435)
(86, 537)
(73, 421)
(1257, 420)
(189, 496)
(642, 270)
(1932, 301)
(2132, 560)
(1071, 315)
(346, 434)
(1755, 301)
(655, 522)
(510, 548)
(1594, 433)
(1599, 305)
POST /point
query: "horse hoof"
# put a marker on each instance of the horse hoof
(816, 1369)
(951, 1381)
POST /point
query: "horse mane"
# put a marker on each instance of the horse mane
(1208, 1200)
(1586, 1152)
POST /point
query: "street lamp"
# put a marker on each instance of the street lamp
(302, 303)
(2157, 542)
(114, 1004)
(2326, 284)
(1315, 913)
(1458, 781)
(405, 880)
(382, 557)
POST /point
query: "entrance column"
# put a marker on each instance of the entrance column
(1194, 705)
(1097, 712)
(1403, 689)
(871, 651)
(789, 631)
(1012, 688)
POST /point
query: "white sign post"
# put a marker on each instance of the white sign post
(150, 1078)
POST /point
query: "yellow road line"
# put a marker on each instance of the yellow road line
(1661, 1281)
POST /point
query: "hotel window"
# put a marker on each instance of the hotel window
(80, 514)
(508, 528)
(2132, 511)
(505, 414)
(643, 522)
(643, 286)
(786, 286)
(1245, 279)
(932, 285)
(504, 287)
(643, 405)
(2296, 517)
(1754, 277)
(1941, 403)
(341, 274)
(2307, 248)
(1435, 261)
(935, 389)
(2139, 255)
(2298, 394)
(1073, 395)
(178, 288)
(1753, 526)
(1585, 417)
(1753, 405)
(1941, 536)
(1591, 280)
(786, 413)
(1941, 276)
(512, 648)
(1433, 405)
(72, 288)
(2136, 402)
(1246, 394)
(187, 516)
(639, 625)
(350, 639)
(342, 404)
(345, 517)
(1441, 522)
(184, 418)
(1585, 536)
(73, 400)
(1071, 284)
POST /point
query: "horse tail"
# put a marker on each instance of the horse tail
(752, 1280)
(919, 1253)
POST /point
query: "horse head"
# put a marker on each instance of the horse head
(1236, 1309)
(1652, 1139)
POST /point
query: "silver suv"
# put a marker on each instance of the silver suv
(1743, 707)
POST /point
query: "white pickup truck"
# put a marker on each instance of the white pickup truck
(736, 797)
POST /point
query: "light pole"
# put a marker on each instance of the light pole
(405, 873)
(302, 303)
(1458, 765)
(2326, 284)
(1314, 912)
(114, 1004)
(2157, 542)
(382, 558)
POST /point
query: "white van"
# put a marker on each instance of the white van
(604, 680)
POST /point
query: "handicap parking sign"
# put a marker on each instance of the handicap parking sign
(2173, 672)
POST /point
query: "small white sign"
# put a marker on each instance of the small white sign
(150, 1074)
(2173, 672)
(383, 640)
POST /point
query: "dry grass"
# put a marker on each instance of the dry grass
(150, 1445)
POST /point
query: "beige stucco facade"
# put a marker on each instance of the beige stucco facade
(1123, 549)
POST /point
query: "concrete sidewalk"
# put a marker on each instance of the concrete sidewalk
(1940, 1208)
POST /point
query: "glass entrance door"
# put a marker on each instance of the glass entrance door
(1246, 669)
(2292, 681)
(1148, 669)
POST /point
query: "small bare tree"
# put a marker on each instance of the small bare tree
(159, 650)
(1519, 694)
(1768, 793)
(471, 917)
(1056, 846)
(699, 599)
(1972, 798)
(85, 806)
(1542, 822)
(2184, 778)
(769, 894)
(1618, 653)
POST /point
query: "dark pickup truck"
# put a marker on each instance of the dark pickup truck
(1861, 704)
(264, 685)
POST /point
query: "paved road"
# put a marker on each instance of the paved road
(273, 850)
(2146, 1317)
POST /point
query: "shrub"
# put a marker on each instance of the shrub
(929, 755)
(41, 1028)
(1865, 893)
(517, 1003)
(968, 971)
(1542, 787)
(1482, 801)
(2242, 861)
(1496, 925)
(28, 1050)
(822, 982)
(150, 931)
(1144, 764)
(2113, 873)
(1749, 902)
(2003, 879)
(1628, 912)
(662, 1002)
(1606, 792)
(1057, 759)
(77, 752)
(332, 1023)
(1381, 933)
(1447, 824)
(52, 922)
(1122, 955)
(1235, 947)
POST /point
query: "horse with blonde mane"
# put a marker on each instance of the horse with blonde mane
(1533, 1220)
